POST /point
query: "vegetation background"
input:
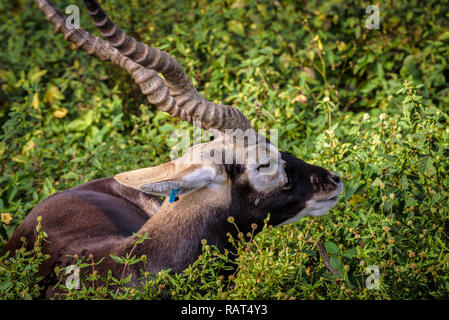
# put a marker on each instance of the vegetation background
(370, 104)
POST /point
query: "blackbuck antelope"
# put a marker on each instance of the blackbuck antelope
(213, 180)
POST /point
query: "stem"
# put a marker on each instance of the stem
(124, 268)
(325, 257)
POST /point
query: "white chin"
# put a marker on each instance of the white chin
(313, 208)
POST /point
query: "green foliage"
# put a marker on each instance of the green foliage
(19, 277)
(201, 280)
(369, 104)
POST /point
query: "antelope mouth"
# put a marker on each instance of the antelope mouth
(331, 199)
(316, 207)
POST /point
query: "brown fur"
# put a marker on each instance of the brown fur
(100, 217)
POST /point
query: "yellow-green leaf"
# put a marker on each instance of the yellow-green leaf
(35, 75)
(28, 146)
(60, 113)
(53, 94)
(236, 27)
(35, 102)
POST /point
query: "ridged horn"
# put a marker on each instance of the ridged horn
(210, 115)
(150, 83)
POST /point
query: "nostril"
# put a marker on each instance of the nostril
(336, 178)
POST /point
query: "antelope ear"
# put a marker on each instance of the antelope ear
(136, 178)
(185, 181)
(163, 179)
(161, 188)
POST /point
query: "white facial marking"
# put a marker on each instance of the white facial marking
(316, 208)
(267, 174)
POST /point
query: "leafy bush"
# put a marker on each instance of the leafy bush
(369, 104)
(19, 278)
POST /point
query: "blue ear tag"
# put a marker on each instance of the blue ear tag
(173, 193)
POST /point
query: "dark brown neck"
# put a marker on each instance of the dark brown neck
(177, 229)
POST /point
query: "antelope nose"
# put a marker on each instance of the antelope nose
(335, 177)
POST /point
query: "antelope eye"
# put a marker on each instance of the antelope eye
(263, 166)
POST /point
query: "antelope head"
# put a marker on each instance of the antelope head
(239, 173)
(249, 179)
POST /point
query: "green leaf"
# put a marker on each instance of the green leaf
(377, 182)
(35, 75)
(5, 284)
(350, 189)
(236, 27)
(349, 253)
(388, 204)
(331, 247)
(335, 262)
(309, 252)
(127, 279)
(117, 259)
(70, 176)
(12, 193)
(76, 125)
